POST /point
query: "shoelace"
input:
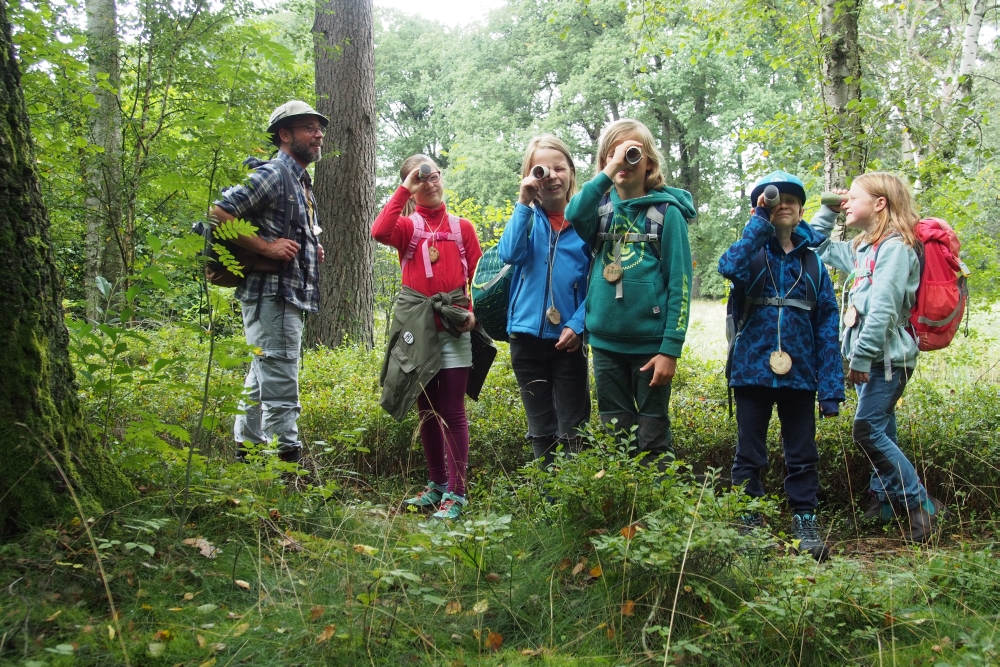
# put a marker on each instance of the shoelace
(807, 527)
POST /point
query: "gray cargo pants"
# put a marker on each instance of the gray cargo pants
(271, 405)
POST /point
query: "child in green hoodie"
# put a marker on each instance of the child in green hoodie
(638, 299)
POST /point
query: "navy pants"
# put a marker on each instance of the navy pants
(554, 391)
(797, 415)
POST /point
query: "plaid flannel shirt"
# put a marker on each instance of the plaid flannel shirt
(259, 200)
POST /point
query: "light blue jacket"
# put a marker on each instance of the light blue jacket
(883, 298)
(527, 244)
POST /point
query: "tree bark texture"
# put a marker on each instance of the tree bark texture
(345, 177)
(843, 140)
(40, 415)
(103, 169)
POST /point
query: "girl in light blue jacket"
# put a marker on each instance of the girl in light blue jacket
(547, 300)
(885, 266)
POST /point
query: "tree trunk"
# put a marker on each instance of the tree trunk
(40, 416)
(956, 97)
(345, 179)
(841, 85)
(102, 245)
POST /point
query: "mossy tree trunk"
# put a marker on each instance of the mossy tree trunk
(40, 416)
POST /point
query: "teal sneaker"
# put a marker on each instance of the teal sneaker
(451, 506)
(429, 498)
(807, 538)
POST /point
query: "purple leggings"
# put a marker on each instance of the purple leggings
(445, 428)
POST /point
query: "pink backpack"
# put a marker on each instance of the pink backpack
(420, 232)
(943, 292)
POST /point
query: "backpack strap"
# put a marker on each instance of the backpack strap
(811, 268)
(454, 234)
(653, 226)
(605, 211)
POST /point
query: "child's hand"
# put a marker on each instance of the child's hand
(838, 207)
(857, 377)
(617, 161)
(664, 367)
(569, 340)
(529, 190)
(468, 325)
(413, 182)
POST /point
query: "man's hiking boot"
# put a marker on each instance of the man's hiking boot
(924, 521)
(806, 537)
(881, 512)
(451, 506)
(291, 455)
(429, 498)
(750, 521)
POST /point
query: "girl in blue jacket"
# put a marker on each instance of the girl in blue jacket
(786, 350)
(885, 264)
(546, 311)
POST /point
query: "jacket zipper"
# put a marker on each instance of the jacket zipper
(781, 311)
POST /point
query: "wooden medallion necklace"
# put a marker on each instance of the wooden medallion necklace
(552, 313)
(781, 361)
(613, 272)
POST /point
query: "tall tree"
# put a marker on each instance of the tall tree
(47, 444)
(843, 133)
(103, 167)
(345, 178)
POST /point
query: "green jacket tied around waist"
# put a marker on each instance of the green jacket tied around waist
(413, 355)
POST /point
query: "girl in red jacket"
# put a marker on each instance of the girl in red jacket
(437, 253)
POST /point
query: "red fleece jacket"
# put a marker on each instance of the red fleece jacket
(392, 229)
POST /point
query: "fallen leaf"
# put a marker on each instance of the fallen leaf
(628, 532)
(492, 576)
(290, 544)
(365, 549)
(316, 612)
(600, 474)
(111, 633)
(218, 647)
(611, 632)
(234, 502)
(494, 640)
(242, 584)
(175, 609)
(206, 608)
(476, 633)
(579, 567)
(564, 563)
(596, 571)
(202, 545)
(481, 607)
(189, 596)
(53, 616)
(200, 640)
(453, 607)
(326, 635)
(156, 649)
(240, 629)
(628, 609)
(162, 635)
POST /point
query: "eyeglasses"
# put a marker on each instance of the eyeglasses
(432, 177)
(311, 129)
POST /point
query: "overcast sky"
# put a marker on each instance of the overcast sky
(449, 12)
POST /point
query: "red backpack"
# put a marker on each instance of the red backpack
(943, 293)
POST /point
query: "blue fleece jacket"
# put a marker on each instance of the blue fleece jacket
(527, 244)
(884, 291)
(810, 338)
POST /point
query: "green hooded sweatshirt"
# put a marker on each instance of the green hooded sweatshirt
(652, 315)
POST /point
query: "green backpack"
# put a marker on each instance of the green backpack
(491, 293)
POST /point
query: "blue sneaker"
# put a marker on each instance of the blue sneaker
(451, 506)
(429, 498)
(806, 537)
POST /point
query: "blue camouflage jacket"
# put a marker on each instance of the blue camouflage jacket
(811, 338)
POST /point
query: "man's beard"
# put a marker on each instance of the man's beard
(301, 150)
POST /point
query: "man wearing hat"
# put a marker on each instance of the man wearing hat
(785, 352)
(277, 199)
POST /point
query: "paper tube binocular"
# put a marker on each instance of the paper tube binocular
(540, 172)
(832, 199)
(771, 196)
(425, 172)
(633, 155)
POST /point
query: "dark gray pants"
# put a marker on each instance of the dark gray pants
(554, 391)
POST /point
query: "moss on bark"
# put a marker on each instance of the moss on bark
(39, 410)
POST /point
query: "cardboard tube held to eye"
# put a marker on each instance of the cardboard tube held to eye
(425, 172)
(832, 199)
(540, 171)
(772, 197)
(633, 155)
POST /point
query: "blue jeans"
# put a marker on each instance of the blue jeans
(894, 477)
